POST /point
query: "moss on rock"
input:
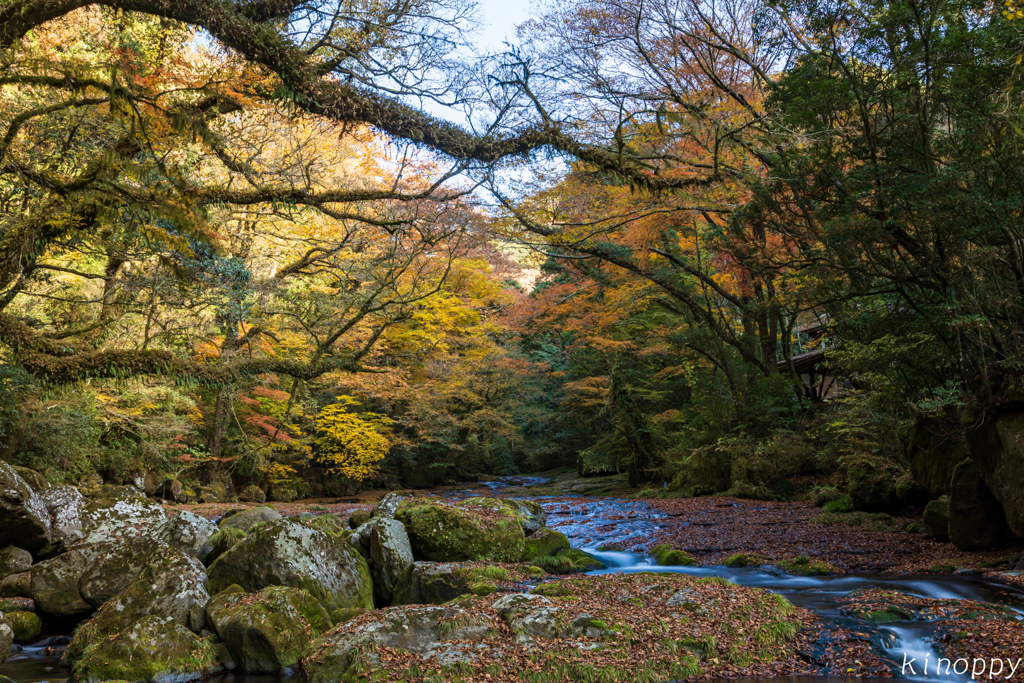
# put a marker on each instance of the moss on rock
(25, 625)
(668, 556)
(478, 529)
(543, 542)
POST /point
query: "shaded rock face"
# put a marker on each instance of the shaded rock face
(346, 651)
(14, 560)
(532, 515)
(189, 533)
(115, 566)
(435, 583)
(121, 514)
(152, 649)
(66, 507)
(976, 519)
(172, 585)
(24, 520)
(391, 553)
(35, 480)
(997, 449)
(475, 529)
(282, 553)
(934, 449)
(266, 632)
(54, 583)
(16, 586)
(247, 519)
(252, 494)
(936, 518)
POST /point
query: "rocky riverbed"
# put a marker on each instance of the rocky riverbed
(476, 583)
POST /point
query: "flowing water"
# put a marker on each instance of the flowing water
(591, 524)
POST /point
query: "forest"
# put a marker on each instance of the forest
(718, 247)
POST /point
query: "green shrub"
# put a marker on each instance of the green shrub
(839, 505)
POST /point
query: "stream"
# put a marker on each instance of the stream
(591, 524)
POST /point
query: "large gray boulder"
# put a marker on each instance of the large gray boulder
(189, 533)
(121, 513)
(976, 520)
(435, 583)
(24, 521)
(154, 648)
(116, 566)
(351, 647)
(247, 519)
(6, 639)
(388, 505)
(391, 554)
(936, 518)
(172, 585)
(266, 632)
(14, 560)
(529, 616)
(283, 553)
(531, 515)
(66, 507)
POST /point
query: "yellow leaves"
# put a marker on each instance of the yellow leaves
(351, 444)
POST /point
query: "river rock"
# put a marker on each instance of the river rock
(475, 529)
(350, 648)
(252, 494)
(388, 505)
(115, 566)
(155, 648)
(358, 518)
(35, 480)
(26, 626)
(54, 583)
(529, 615)
(976, 519)
(247, 519)
(391, 553)
(544, 542)
(936, 518)
(221, 542)
(16, 586)
(266, 632)
(6, 639)
(435, 583)
(531, 515)
(189, 533)
(172, 585)
(23, 518)
(14, 560)
(66, 507)
(282, 553)
(121, 512)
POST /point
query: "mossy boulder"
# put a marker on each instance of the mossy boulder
(53, 584)
(388, 505)
(909, 492)
(358, 518)
(348, 651)
(436, 583)
(253, 494)
(14, 560)
(531, 515)
(16, 586)
(6, 639)
(746, 560)
(66, 507)
(247, 519)
(157, 649)
(189, 533)
(475, 529)
(976, 519)
(668, 556)
(329, 524)
(121, 512)
(115, 566)
(283, 553)
(26, 626)
(936, 518)
(544, 541)
(391, 553)
(802, 565)
(871, 484)
(571, 561)
(33, 479)
(266, 632)
(24, 521)
(171, 585)
(221, 542)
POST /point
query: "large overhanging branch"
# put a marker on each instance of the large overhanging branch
(52, 361)
(238, 27)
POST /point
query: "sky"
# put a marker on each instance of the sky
(500, 18)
